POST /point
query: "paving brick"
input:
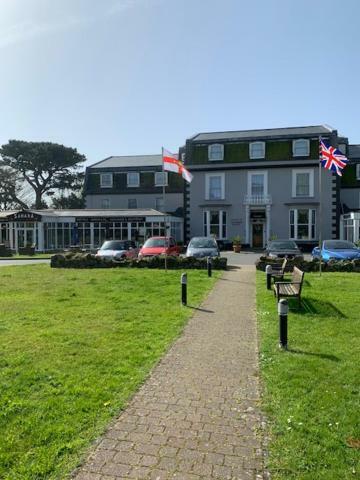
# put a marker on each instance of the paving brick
(197, 415)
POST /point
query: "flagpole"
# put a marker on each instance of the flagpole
(320, 207)
(163, 192)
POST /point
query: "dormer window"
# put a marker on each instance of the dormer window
(301, 148)
(216, 152)
(257, 150)
(106, 180)
(133, 179)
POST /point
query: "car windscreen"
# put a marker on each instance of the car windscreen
(155, 242)
(338, 245)
(113, 245)
(282, 246)
(202, 243)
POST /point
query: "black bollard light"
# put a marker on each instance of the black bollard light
(268, 271)
(283, 309)
(184, 288)
(209, 266)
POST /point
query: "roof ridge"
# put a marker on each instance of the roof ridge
(328, 127)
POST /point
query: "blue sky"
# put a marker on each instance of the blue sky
(117, 77)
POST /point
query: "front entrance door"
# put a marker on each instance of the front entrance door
(257, 235)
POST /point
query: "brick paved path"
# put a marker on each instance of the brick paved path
(197, 415)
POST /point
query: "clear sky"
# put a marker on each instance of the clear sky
(117, 77)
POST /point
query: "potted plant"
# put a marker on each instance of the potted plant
(237, 244)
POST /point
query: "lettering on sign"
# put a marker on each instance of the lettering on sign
(24, 216)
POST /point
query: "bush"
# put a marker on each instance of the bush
(312, 265)
(87, 260)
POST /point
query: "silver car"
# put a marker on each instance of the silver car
(202, 247)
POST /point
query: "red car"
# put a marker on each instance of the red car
(159, 246)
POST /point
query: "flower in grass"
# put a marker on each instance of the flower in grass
(330, 424)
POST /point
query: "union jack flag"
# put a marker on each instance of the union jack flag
(331, 158)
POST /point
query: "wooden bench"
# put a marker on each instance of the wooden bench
(291, 288)
(278, 271)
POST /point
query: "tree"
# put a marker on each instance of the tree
(13, 192)
(68, 202)
(44, 166)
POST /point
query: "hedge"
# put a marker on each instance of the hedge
(87, 260)
(312, 265)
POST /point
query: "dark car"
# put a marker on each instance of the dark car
(336, 250)
(283, 249)
(118, 250)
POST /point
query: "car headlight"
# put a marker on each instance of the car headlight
(272, 255)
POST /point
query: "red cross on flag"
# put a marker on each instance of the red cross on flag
(172, 163)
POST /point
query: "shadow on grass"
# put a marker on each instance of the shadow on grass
(315, 306)
(325, 356)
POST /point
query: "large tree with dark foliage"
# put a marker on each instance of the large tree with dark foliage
(46, 167)
(13, 193)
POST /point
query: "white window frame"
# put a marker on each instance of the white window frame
(210, 148)
(207, 185)
(163, 175)
(254, 156)
(310, 171)
(106, 184)
(138, 179)
(295, 210)
(206, 213)
(358, 171)
(257, 172)
(298, 141)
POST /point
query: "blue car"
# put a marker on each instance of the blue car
(336, 250)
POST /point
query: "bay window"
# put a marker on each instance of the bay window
(302, 224)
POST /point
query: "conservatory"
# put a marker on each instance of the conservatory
(51, 230)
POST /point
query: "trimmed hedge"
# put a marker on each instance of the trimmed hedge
(312, 265)
(87, 260)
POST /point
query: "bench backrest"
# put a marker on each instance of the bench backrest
(283, 266)
(298, 277)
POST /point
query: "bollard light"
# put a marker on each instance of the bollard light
(183, 282)
(268, 271)
(209, 266)
(283, 309)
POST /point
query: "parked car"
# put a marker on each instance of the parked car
(336, 250)
(283, 249)
(202, 247)
(118, 249)
(159, 246)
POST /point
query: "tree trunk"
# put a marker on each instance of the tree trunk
(38, 197)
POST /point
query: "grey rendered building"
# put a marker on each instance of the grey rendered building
(133, 182)
(261, 184)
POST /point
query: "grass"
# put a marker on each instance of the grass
(312, 390)
(75, 345)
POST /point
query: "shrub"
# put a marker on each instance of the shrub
(87, 260)
(312, 265)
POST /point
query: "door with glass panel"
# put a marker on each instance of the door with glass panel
(25, 234)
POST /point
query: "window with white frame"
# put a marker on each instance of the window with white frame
(215, 186)
(215, 223)
(303, 183)
(257, 150)
(133, 179)
(358, 171)
(216, 152)
(106, 180)
(132, 203)
(159, 204)
(257, 183)
(302, 224)
(161, 179)
(301, 147)
(105, 203)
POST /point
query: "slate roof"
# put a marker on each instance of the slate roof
(354, 151)
(129, 161)
(273, 133)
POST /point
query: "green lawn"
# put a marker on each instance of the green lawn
(74, 345)
(312, 391)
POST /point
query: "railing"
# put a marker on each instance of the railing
(257, 200)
